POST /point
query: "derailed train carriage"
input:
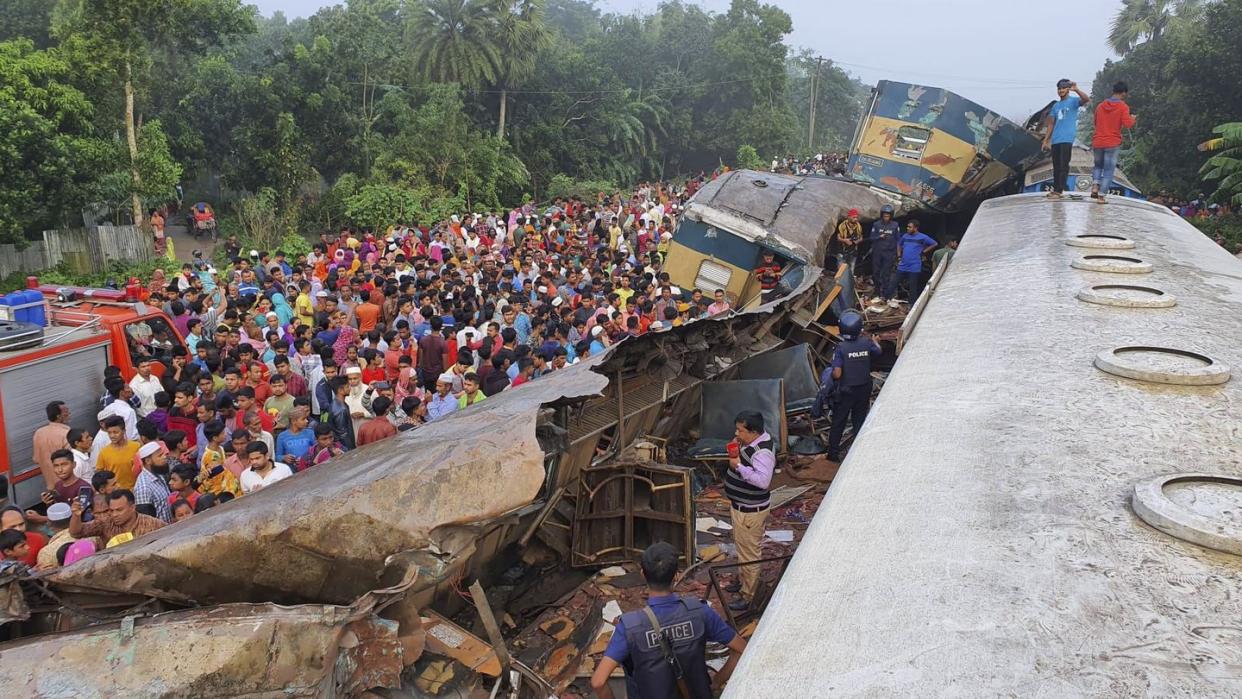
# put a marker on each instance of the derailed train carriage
(936, 149)
(733, 220)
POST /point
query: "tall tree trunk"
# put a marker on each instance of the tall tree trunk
(131, 136)
(504, 98)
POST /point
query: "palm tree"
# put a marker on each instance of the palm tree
(521, 37)
(1147, 20)
(454, 41)
(1225, 167)
(636, 126)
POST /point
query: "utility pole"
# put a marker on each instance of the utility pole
(810, 136)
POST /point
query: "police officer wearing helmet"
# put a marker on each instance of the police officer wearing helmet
(663, 645)
(851, 368)
(883, 239)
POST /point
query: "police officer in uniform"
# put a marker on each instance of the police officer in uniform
(851, 368)
(883, 239)
(668, 662)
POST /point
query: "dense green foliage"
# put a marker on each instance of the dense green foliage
(1183, 83)
(1224, 167)
(379, 106)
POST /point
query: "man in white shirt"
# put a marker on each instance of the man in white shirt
(263, 471)
(120, 393)
(145, 385)
(81, 442)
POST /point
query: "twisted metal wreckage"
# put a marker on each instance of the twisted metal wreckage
(359, 546)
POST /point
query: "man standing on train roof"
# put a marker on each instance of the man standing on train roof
(883, 239)
(851, 369)
(1062, 126)
(1111, 116)
(912, 247)
(663, 645)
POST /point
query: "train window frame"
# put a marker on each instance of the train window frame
(911, 142)
(709, 284)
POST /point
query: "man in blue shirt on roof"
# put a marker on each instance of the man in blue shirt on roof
(663, 645)
(912, 246)
(1062, 125)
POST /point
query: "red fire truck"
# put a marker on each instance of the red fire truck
(78, 331)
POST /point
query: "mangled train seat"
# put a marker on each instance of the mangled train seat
(723, 400)
(793, 364)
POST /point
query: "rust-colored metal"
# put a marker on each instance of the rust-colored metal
(625, 506)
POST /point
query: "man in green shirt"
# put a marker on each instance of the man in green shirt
(471, 393)
(279, 403)
(943, 253)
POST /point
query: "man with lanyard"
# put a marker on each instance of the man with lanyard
(883, 239)
(768, 273)
(851, 369)
(752, 460)
(663, 645)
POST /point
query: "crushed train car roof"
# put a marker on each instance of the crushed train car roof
(794, 213)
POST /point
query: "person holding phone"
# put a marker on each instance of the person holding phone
(68, 485)
(752, 460)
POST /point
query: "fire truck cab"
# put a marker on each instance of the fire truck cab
(55, 346)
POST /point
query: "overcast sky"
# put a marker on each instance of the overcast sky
(1004, 55)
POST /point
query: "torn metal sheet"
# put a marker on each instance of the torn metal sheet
(257, 650)
(325, 534)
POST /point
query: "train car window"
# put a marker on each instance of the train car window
(712, 276)
(911, 140)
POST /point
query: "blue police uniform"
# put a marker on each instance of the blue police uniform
(853, 358)
(883, 240)
(688, 625)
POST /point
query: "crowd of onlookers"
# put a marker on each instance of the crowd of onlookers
(1198, 208)
(288, 363)
(825, 163)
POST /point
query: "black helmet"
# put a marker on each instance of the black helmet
(886, 209)
(850, 325)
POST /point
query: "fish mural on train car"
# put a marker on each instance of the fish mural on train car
(936, 148)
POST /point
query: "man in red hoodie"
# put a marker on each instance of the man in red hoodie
(1111, 116)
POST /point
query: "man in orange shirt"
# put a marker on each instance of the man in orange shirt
(367, 313)
(118, 455)
(1111, 116)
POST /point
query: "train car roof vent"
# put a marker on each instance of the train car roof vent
(1162, 365)
(1127, 296)
(1116, 264)
(1202, 508)
(1101, 240)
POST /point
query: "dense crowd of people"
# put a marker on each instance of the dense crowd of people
(292, 362)
(826, 163)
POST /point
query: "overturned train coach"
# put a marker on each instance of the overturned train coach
(733, 220)
(409, 517)
(936, 149)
